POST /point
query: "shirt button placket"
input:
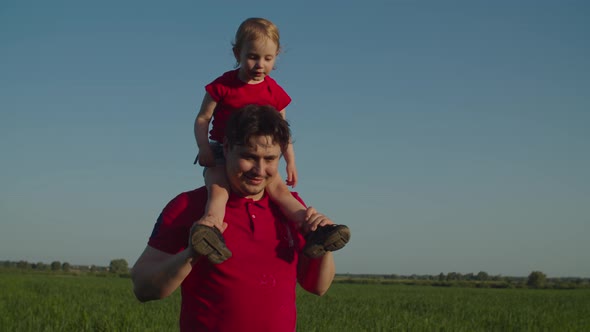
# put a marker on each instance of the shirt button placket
(249, 207)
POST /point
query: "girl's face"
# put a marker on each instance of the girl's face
(257, 59)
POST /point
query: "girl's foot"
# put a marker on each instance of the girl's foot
(326, 238)
(208, 241)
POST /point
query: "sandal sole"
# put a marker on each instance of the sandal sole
(208, 241)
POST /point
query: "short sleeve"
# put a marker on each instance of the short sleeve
(281, 98)
(171, 231)
(215, 89)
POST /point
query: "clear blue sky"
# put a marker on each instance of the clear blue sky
(451, 136)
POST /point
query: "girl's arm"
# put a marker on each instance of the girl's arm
(201, 130)
(289, 154)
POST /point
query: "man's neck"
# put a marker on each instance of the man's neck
(256, 197)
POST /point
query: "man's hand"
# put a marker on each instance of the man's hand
(211, 222)
(313, 219)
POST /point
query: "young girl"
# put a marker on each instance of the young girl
(255, 48)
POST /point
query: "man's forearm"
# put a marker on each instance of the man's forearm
(156, 275)
(316, 275)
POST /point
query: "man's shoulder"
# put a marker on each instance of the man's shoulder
(177, 217)
(294, 194)
(195, 194)
(189, 198)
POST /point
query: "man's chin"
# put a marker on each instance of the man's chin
(249, 190)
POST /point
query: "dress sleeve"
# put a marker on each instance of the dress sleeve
(216, 89)
(219, 88)
(282, 99)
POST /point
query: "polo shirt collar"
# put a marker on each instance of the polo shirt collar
(235, 201)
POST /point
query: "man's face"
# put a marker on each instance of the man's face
(251, 167)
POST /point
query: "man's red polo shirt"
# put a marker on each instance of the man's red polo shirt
(254, 290)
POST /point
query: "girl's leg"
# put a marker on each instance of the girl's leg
(217, 196)
(325, 238)
(206, 238)
(290, 206)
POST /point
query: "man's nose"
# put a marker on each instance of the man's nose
(258, 167)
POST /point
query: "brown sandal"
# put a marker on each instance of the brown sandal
(208, 241)
(326, 238)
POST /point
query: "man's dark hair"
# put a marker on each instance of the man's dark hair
(254, 120)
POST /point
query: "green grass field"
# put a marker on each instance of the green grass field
(49, 302)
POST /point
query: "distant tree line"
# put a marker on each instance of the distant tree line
(535, 280)
(117, 267)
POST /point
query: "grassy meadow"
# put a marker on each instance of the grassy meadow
(52, 302)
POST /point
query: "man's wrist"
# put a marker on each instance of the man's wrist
(190, 256)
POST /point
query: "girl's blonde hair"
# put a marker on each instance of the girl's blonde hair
(255, 28)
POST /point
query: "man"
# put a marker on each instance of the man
(253, 290)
